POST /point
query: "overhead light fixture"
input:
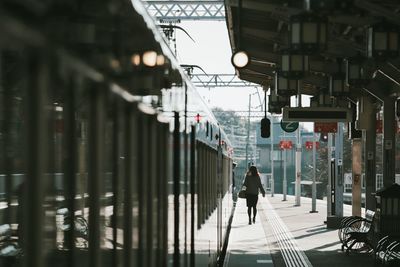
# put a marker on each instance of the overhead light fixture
(337, 82)
(383, 41)
(314, 102)
(356, 74)
(337, 85)
(160, 60)
(308, 33)
(135, 60)
(285, 86)
(115, 64)
(324, 99)
(149, 58)
(294, 65)
(344, 6)
(276, 103)
(240, 59)
(319, 5)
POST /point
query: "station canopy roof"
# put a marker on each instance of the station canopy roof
(260, 27)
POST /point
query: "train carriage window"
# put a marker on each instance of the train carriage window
(152, 197)
(112, 201)
(12, 143)
(82, 117)
(142, 184)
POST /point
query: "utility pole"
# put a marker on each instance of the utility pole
(298, 157)
(339, 171)
(331, 180)
(284, 173)
(272, 157)
(314, 186)
(248, 134)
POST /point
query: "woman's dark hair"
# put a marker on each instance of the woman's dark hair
(253, 170)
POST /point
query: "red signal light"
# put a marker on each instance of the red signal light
(197, 118)
(309, 145)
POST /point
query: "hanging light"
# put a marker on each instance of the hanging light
(149, 58)
(337, 85)
(240, 59)
(321, 100)
(308, 33)
(356, 74)
(276, 103)
(337, 81)
(324, 99)
(294, 65)
(135, 59)
(160, 61)
(317, 5)
(345, 6)
(383, 41)
(314, 101)
(284, 86)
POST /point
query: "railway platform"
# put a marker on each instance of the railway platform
(287, 235)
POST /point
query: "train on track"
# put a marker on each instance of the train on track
(97, 117)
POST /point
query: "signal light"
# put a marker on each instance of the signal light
(265, 128)
(323, 137)
(197, 118)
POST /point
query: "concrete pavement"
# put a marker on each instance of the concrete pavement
(287, 235)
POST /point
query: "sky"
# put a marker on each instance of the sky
(212, 52)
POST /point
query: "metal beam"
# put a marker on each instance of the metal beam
(378, 10)
(186, 10)
(279, 12)
(220, 80)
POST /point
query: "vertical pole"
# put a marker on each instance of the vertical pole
(297, 188)
(389, 138)
(329, 186)
(36, 154)
(272, 158)
(192, 192)
(186, 169)
(7, 109)
(284, 174)
(281, 165)
(298, 169)
(339, 171)
(356, 169)
(314, 186)
(248, 134)
(370, 146)
(70, 148)
(176, 181)
(96, 142)
(219, 192)
(129, 141)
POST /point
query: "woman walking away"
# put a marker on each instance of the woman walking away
(252, 182)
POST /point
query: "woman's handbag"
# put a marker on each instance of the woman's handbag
(242, 192)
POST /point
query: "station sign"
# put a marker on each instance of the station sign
(317, 114)
(325, 127)
(289, 127)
